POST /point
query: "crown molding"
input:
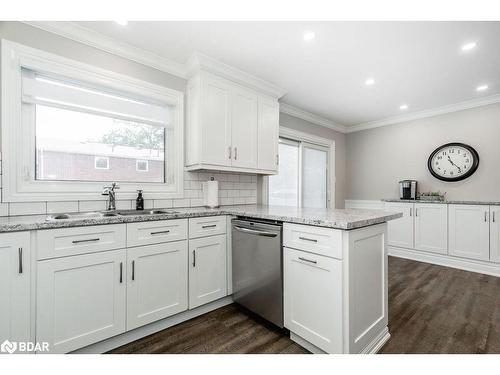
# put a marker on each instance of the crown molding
(311, 117)
(94, 39)
(199, 61)
(479, 102)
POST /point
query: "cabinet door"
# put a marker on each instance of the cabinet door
(268, 134)
(400, 231)
(80, 299)
(495, 234)
(469, 231)
(15, 286)
(244, 128)
(157, 285)
(207, 270)
(313, 298)
(216, 122)
(431, 227)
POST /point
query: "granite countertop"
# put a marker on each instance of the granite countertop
(486, 203)
(337, 219)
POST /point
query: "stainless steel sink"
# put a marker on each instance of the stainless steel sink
(90, 215)
(146, 212)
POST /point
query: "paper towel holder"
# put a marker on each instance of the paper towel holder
(211, 198)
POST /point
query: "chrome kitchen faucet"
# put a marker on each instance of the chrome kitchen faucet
(110, 192)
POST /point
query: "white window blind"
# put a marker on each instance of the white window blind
(38, 88)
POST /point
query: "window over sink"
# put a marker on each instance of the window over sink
(69, 128)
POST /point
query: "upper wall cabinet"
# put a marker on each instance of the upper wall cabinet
(230, 126)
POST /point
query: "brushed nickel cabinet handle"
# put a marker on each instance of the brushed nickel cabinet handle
(277, 159)
(308, 260)
(308, 239)
(121, 272)
(230, 151)
(20, 260)
(416, 212)
(485, 216)
(133, 270)
(235, 153)
(208, 226)
(493, 216)
(194, 258)
(410, 211)
(160, 232)
(89, 240)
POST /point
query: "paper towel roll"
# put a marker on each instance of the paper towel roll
(211, 194)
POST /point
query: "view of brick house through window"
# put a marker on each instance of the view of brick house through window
(77, 146)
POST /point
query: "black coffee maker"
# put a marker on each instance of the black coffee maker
(408, 189)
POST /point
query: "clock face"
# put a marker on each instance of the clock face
(453, 162)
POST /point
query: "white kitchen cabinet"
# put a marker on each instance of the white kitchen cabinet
(495, 234)
(15, 275)
(244, 117)
(81, 299)
(207, 270)
(431, 227)
(313, 298)
(157, 282)
(268, 134)
(222, 127)
(469, 231)
(400, 231)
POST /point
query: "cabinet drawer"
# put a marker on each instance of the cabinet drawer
(151, 232)
(62, 242)
(317, 240)
(207, 226)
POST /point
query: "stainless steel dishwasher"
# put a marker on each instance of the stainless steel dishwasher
(258, 268)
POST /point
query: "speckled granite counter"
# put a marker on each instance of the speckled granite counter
(337, 219)
(486, 203)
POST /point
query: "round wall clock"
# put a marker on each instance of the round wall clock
(453, 162)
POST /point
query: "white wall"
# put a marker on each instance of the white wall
(378, 158)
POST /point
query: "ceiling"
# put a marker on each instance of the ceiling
(420, 64)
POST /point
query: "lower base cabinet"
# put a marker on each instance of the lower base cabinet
(81, 299)
(157, 282)
(313, 296)
(15, 286)
(207, 270)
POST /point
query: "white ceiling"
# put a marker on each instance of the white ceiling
(417, 63)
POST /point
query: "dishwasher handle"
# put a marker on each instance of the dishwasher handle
(256, 232)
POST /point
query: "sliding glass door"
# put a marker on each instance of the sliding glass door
(303, 175)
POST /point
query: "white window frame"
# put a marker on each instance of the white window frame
(101, 157)
(309, 141)
(18, 165)
(141, 161)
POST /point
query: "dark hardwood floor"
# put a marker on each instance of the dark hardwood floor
(435, 309)
(432, 309)
(226, 330)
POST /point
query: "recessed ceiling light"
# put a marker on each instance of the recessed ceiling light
(309, 35)
(370, 82)
(403, 107)
(482, 88)
(469, 46)
(122, 22)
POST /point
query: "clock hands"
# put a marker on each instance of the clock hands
(451, 161)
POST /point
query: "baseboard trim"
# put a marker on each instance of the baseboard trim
(377, 343)
(138, 333)
(446, 261)
(306, 344)
(364, 204)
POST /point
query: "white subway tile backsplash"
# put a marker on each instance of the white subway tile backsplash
(58, 207)
(4, 209)
(234, 188)
(162, 203)
(27, 208)
(91, 206)
(181, 203)
(197, 202)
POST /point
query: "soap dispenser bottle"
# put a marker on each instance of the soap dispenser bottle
(139, 202)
